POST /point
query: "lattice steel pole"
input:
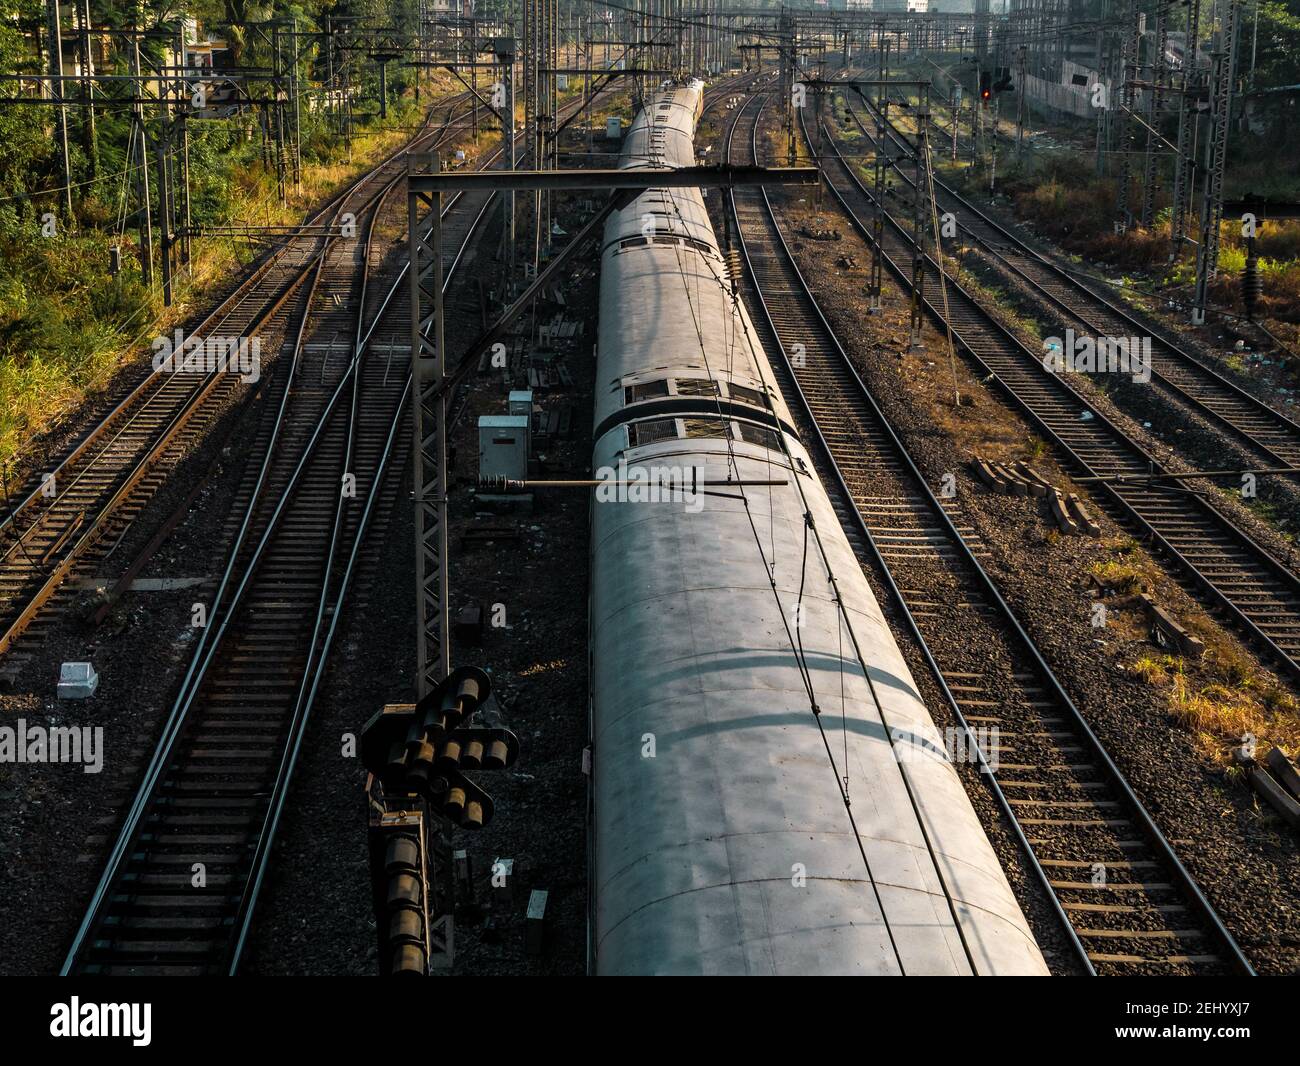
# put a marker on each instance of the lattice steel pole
(1155, 103)
(1128, 58)
(1207, 253)
(428, 369)
(879, 175)
(1185, 164)
(505, 56)
(142, 171)
(164, 182)
(297, 106)
(55, 33)
(919, 218)
(1020, 104)
(81, 13)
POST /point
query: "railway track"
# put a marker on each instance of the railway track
(216, 788)
(1269, 432)
(101, 485)
(1220, 561)
(179, 890)
(1126, 902)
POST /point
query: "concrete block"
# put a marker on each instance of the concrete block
(535, 925)
(77, 681)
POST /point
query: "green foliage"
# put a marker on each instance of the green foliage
(61, 319)
(1278, 57)
(64, 322)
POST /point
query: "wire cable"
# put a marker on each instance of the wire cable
(883, 717)
(796, 643)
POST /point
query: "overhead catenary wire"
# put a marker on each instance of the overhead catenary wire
(875, 695)
(796, 642)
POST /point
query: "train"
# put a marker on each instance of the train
(768, 792)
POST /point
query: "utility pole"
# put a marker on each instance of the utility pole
(1207, 254)
(881, 168)
(956, 116)
(551, 123)
(164, 184)
(185, 103)
(1020, 104)
(55, 34)
(278, 115)
(141, 152)
(1155, 105)
(1188, 115)
(993, 144)
(428, 368)
(504, 48)
(297, 105)
(920, 187)
(1103, 113)
(788, 60)
(89, 140)
(473, 73)
(1128, 75)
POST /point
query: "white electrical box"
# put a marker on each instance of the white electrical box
(614, 128)
(520, 404)
(561, 82)
(503, 446)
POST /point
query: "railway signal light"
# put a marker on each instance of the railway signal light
(986, 86)
(406, 919)
(426, 748)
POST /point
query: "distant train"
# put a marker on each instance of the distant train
(721, 840)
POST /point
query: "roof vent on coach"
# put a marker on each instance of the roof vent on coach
(645, 390)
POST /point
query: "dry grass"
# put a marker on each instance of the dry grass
(1154, 669)
(1224, 698)
(1123, 577)
(1222, 717)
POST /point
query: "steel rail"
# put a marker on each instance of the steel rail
(201, 663)
(225, 307)
(1122, 448)
(1006, 615)
(1208, 376)
(319, 659)
(163, 439)
(211, 640)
